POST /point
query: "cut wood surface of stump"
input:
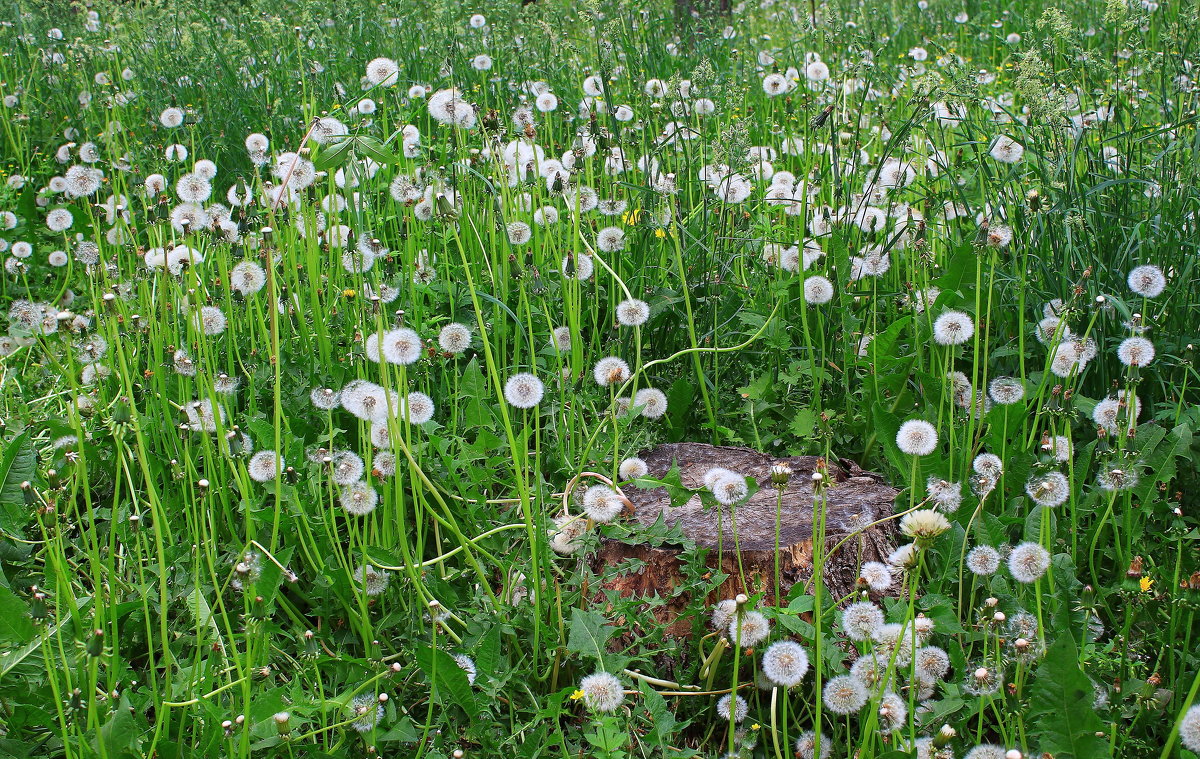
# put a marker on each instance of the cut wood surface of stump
(853, 499)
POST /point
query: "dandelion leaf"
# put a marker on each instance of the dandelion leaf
(1060, 706)
(448, 679)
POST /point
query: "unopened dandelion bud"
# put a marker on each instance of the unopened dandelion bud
(458, 753)
(227, 726)
(281, 722)
(95, 644)
(944, 736)
(741, 600)
(240, 719)
(202, 484)
(397, 667)
(1013, 754)
(780, 473)
(991, 602)
(999, 617)
(1021, 645)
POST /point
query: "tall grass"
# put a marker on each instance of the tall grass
(211, 544)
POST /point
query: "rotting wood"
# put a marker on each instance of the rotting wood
(853, 500)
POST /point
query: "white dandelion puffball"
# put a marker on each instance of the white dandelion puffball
(877, 575)
(1135, 351)
(1028, 562)
(983, 560)
(785, 663)
(1189, 729)
(749, 629)
(633, 312)
(264, 465)
(602, 692)
(652, 401)
(524, 390)
(728, 488)
(917, 437)
(1049, 489)
(731, 707)
(806, 746)
(633, 468)
(953, 328)
(844, 694)
(610, 371)
(817, 290)
(455, 338)
(1147, 281)
(861, 620)
(1006, 150)
(602, 504)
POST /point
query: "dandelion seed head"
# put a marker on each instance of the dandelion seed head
(371, 580)
(806, 746)
(983, 560)
(1135, 351)
(1028, 562)
(602, 504)
(1189, 729)
(749, 629)
(368, 711)
(455, 338)
(417, 408)
(1147, 281)
(917, 437)
(610, 370)
(524, 390)
(862, 619)
(785, 663)
(1049, 489)
(359, 499)
(953, 328)
(400, 346)
(602, 692)
(1006, 391)
(264, 466)
(844, 695)
(652, 401)
(876, 575)
(731, 707)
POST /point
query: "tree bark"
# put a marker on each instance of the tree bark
(853, 500)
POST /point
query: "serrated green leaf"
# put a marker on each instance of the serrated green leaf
(1060, 706)
(448, 679)
(18, 465)
(589, 633)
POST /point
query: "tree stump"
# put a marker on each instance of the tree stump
(854, 499)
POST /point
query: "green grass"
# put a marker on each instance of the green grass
(165, 593)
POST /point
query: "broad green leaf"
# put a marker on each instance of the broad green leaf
(375, 150)
(589, 633)
(16, 627)
(448, 679)
(1060, 706)
(17, 465)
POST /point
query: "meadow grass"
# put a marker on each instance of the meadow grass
(334, 332)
